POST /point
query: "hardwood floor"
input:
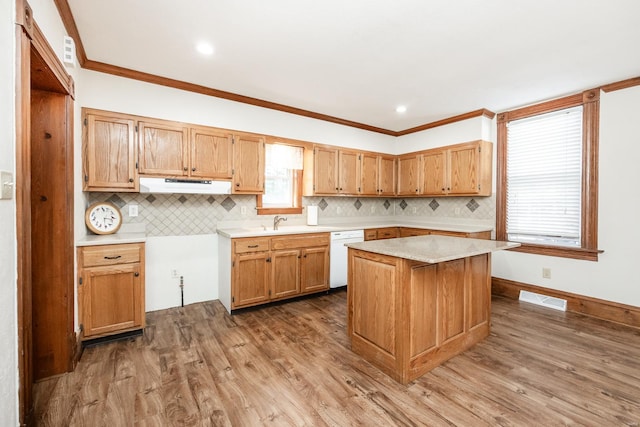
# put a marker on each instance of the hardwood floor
(291, 365)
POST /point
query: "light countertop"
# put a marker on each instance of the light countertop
(111, 239)
(236, 232)
(432, 249)
(128, 233)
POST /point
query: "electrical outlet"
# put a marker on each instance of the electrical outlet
(338, 210)
(133, 210)
(243, 210)
(415, 210)
(373, 209)
(457, 211)
(546, 273)
(175, 274)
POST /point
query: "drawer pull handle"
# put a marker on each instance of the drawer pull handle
(113, 257)
(252, 246)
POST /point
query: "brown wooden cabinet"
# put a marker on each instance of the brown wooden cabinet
(409, 231)
(108, 152)
(429, 313)
(333, 171)
(377, 175)
(248, 164)
(409, 174)
(462, 169)
(210, 153)
(272, 268)
(163, 148)
(111, 289)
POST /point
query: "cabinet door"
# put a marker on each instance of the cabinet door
(349, 172)
(112, 299)
(250, 279)
(315, 269)
(463, 167)
(210, 154)
(434, 173)
(369, 178)
(325, 170)
(163, 149)
(409, 175)
(285, 278)
(248, 164)
(108, 153)
(387, 176)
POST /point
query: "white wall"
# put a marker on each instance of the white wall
(614, 277)
(8, 298)
(112, 93)
(194, 257)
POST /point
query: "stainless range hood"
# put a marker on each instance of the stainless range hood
(183, 186)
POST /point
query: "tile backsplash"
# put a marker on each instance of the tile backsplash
(191, 214)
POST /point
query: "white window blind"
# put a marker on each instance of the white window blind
(281, 162)
(544, 178)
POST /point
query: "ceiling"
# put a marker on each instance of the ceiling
(359, 59)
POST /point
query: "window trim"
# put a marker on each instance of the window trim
(297, 209)
(590, 101)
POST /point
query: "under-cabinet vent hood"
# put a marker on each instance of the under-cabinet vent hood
(183, 186)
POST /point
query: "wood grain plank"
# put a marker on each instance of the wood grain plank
(290, 364)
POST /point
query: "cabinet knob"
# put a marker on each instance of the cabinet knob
(442, 188)
(237, 184)
(185, 168)
(136, 274)
(193, 169)
(416, 190)
(340, 188)
(130, 179)
(336, 188)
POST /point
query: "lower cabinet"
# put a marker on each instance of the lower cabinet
(275, 268)
(111, 289)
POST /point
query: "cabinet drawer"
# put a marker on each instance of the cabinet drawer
(387, 233)
(409, 232)
(241, 246)
(370, 234)
(300, 241)
(111, 254)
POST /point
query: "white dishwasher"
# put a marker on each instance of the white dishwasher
(338, 259)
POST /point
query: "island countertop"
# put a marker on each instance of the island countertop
(432, 249)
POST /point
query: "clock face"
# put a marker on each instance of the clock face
(103, 218)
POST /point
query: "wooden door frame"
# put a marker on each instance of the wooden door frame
(29, 38)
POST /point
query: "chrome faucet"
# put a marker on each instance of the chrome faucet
(276, 220)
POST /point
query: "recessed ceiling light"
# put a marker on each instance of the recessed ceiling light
(401, 109)
(204, 48)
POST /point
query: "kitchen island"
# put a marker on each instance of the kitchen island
(415, 302)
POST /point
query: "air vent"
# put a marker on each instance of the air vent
(543, 300)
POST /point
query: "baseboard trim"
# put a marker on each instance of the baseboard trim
(607, 310)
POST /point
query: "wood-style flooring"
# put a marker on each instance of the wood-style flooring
(290, 365)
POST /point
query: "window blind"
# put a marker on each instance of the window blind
(544, 178)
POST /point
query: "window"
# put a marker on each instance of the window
(283, 180)
(547, 177)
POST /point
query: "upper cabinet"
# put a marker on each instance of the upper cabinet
(248, 164)
(378, 175)
(348, 172)
(458, 170)
(118, 148)
(210, 153)
(334, 171)
(409, 174)
(108, 152)
(163, 148)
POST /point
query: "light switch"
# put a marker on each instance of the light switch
(133, 210)
(6, 185)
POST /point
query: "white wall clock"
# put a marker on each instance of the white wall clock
(103, 218)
